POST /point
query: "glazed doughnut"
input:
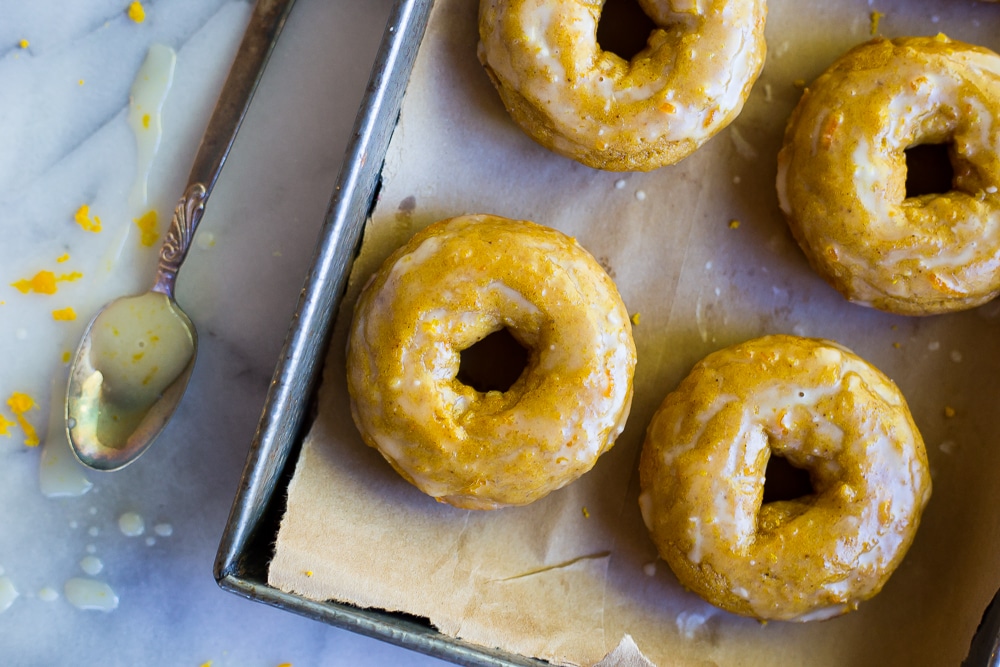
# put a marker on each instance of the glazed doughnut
(591, 105)
(824, 410)
(842, 175)
(453, 284)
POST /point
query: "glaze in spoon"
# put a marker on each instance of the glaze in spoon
(136, 355)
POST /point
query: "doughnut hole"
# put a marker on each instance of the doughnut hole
(784, 481)
(789, 488)
(929, 169)
(494, 363)
(624, 28)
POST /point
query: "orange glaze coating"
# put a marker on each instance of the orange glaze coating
(842, 175)
(453, 284)
(826, 411)
(591, 105)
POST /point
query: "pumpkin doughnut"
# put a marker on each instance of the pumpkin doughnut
(824, 410)
(842, 175)
(453, 284)
(591, 105)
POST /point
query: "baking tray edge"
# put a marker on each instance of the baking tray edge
(240, 566)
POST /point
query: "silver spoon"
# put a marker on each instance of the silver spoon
(137, 354)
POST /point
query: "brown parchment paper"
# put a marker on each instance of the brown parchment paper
(574, 576)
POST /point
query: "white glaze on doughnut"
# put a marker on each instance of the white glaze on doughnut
(453, 284)
(591, 105)
(823, 409)
(841, 175)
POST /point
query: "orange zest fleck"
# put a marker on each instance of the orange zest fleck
(63, 258)
(875, 18)
(781, 427)
(19, 404)
(24, 44)
(635, 319)
(67, 356)
(5, 426)
(147, 225)
(64, 314)
(84, 219)
(918, 83)
(829, 129)
(44, 282)
(734, 224)
(941, 286)
(136, 12)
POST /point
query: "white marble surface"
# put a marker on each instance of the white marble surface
(65, 142)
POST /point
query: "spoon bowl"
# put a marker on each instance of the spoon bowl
(136, 356)
(129, 374)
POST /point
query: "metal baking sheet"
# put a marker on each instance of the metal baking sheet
(246, 547)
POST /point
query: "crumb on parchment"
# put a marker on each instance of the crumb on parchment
(876, 17)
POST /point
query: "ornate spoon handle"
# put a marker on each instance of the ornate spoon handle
(265, 25)
(187, 214)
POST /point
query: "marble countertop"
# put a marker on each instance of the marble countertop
(116, 568)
